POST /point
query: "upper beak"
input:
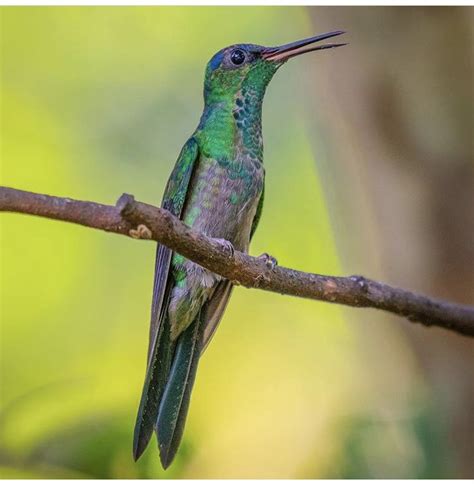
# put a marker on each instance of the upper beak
(285, 52)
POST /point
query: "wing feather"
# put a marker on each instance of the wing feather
(214, 309)
(159, 345)
(173, 200)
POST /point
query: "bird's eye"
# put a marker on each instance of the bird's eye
(237, 57)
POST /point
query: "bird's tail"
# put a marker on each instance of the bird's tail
(155, 381)
(167, 390)
(174, 404)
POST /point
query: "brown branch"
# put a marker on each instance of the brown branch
(140, 220)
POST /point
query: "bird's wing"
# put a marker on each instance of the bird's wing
(174, 404)
(258, 213)
(173, 200)
(214, 309)
(159, 350)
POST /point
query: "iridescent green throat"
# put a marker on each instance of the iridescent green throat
(231, 123)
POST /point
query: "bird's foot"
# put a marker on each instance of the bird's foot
(270, 261)
(227, 246)
(141, 232)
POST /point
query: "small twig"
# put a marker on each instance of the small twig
(139, 220)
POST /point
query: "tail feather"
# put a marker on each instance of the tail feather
(155, 382)
(174, 403)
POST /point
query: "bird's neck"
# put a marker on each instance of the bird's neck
(231, 126)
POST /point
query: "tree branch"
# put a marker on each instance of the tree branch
(140, 220)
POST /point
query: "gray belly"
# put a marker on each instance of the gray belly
(224, 199)
(222, 204)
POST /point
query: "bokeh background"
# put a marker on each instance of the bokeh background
(369, 158)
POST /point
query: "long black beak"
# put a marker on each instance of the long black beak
(284, 52)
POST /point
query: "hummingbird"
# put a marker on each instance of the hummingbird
(217, 188)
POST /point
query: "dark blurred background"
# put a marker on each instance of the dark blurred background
(369, 159)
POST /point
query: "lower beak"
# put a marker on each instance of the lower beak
(284, 52)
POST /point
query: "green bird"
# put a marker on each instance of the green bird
(216, 187)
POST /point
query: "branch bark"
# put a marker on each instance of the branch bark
(139, 220)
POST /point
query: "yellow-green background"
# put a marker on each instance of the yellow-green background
(98, 101)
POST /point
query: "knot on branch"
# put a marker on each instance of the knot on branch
(361, 282)
(330, 290)
(262, 279)
(125, 204)
(141, 232)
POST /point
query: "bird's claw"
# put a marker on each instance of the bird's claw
(270, 264)
(228, 247)
(270, 261)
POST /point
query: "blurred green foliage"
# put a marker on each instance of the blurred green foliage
(97, 101)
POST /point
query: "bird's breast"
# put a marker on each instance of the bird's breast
(223, 198)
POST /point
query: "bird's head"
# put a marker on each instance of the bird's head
(249, 68)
